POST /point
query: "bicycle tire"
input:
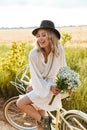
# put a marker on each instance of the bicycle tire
(76, 119)
(15, 117)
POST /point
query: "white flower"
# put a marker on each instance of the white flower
(67, 78)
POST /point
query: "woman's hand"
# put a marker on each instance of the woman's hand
(55, 90)
(29, 88)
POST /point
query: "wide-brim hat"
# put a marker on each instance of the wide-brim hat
(47, 24)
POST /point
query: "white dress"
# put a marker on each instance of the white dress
(41, 94)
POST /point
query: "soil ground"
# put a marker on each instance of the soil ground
(4, 125)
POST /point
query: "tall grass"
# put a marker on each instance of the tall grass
(13, 59)
(77, 60)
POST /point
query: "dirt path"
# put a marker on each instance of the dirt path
(3, 124)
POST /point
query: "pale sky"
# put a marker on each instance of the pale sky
(28, 13)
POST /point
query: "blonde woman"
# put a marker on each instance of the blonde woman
(45, 61)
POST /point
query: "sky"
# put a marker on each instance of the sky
(29, 13)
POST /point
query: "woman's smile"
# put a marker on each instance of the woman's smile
(42, 44)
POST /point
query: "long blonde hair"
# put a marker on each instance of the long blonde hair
(54, 41)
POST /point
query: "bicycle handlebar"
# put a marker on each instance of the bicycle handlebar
(20, 82)
(20, 88)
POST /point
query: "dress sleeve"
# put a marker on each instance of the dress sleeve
(40, 86)
(62, 56)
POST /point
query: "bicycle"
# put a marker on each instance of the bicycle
(62, 120)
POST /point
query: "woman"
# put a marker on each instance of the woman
(45, 61)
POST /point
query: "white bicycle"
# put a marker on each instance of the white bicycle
(62, 119)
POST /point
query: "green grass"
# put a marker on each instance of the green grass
(4, 49)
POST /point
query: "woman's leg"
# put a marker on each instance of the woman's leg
(25, 104)
(42, 113)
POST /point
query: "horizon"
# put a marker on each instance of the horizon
(32, 27)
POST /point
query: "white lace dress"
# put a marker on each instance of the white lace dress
(41, 94)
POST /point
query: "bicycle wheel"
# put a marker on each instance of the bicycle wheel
(74, 120)
(17, 118)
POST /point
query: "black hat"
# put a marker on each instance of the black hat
(47, 24)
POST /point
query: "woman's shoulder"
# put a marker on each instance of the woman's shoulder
(60, 46)
(33, 52)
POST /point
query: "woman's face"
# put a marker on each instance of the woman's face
(43, 39)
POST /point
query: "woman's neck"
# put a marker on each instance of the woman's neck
(46, 53)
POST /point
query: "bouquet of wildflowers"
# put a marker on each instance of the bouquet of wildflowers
(66, 79)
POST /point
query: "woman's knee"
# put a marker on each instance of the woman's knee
(22, 102)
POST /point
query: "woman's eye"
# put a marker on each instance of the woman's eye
(41, 35)
(44, 35)
(37, 36)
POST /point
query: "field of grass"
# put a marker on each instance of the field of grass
(7, 36)
(78, 34)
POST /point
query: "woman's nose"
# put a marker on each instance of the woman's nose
(40, 38)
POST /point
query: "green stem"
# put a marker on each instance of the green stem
(52, 99)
